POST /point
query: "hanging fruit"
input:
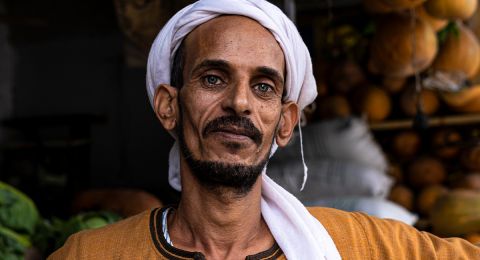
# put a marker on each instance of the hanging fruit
(393, 85)
(399, 48)
(385, 6)
(426, 171)
(406, 144)
(451, 9)
(409, 99)
(474, 25)
(459, 53)
(436, 23)
(332, 107)
(427, 198)
(470, 181)
(471, 159)
(345, 75)
(467, 100)
(456, 213)
(445, 143)
(373, 102)
(402, 195)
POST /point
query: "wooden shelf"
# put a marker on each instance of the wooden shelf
(432, 122)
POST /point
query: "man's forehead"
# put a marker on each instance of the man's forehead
(233, 27)
(231, 32)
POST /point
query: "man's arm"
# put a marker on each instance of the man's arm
(70, 250)
(359, 236)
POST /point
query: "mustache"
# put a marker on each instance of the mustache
(234, 124)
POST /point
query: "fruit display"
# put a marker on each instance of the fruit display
(373, 102)
(437, 176)
(447, 9)
(466, 100)
(456, 213)
(435, 164)
(436, 23)
(395, 42)
(403, 196)
(401, 57)
(459, 53)
(426, 171)
(471, 158)
(428, 197)
(410, 98)
(406, 144)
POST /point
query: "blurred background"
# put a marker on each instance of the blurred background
(74, 109)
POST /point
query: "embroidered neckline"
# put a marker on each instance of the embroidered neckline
(159, 230)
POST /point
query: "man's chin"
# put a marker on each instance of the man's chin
(217, 176)
(230, 160)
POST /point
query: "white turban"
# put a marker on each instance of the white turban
(297, 232)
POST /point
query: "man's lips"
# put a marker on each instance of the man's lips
(238, 132)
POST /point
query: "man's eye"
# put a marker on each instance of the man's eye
(212, 80)
(263, 87)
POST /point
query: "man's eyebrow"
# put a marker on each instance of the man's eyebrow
(223, 64)
(272, 73)
(215, 64)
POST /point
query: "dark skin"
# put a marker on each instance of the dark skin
(233, 66)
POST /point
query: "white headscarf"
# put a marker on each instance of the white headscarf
(297, 232)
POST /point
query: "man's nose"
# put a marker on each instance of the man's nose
(238, 98)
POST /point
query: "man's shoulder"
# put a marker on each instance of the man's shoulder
(328, 215)
(339, 223)
(130, 233)
(360, 236)
(357, 224)
(129, 226)
(319, 212)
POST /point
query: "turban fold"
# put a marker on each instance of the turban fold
(297, 232)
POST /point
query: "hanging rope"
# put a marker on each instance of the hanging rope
(420, 121)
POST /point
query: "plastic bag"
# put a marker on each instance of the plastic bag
(373, 206)
(330, 178)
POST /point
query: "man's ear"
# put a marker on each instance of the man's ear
(165, 105)
(288, 121)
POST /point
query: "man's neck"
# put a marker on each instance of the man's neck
(225, 226)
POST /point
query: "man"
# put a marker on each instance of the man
(228, 79)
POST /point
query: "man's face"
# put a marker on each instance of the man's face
(228, 111)
(233, 68)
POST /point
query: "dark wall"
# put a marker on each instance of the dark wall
(69, 60)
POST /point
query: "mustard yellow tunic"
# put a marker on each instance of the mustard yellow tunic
(356, 235)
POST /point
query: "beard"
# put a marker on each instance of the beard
(219, 176)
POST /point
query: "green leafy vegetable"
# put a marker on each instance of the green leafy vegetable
(20, 223)
(56, 231)
(17, 211)
(12, 245)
